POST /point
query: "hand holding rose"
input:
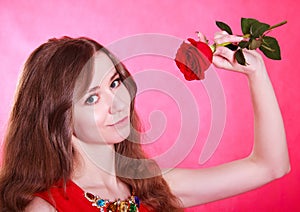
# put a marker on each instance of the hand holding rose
(229, 51)
(224, 58)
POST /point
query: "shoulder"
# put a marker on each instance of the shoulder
(38, 204)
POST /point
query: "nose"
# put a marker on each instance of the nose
(118, 103)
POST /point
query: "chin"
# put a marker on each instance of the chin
(123, 131)
(119, 136)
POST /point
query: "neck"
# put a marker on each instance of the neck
(95, 170)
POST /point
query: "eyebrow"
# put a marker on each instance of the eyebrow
(98, 86)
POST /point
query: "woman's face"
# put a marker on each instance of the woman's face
(102, 115)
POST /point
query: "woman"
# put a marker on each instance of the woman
(73, 138)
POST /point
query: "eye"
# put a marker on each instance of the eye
(116, 83)
(92, 99)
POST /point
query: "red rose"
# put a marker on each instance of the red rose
(193, 59)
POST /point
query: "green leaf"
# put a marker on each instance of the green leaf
(270, 48)
(224, 27)
(246, 23)
(257, 29)
(243, 44)
(239, 56)
(232, 47)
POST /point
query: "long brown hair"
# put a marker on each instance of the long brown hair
(38, 151)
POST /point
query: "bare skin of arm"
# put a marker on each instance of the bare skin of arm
(38, 204)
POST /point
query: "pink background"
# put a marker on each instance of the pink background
(26, 24)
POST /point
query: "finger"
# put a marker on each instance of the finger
(224, 58)
(220, 34)
(223, 38)
(221, 62)
(201, 37)
(225, 53)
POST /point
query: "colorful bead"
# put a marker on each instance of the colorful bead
(89, 196)
(100, 202)
(132, 207)
(112, 207)
(123, 206)
(137, 201)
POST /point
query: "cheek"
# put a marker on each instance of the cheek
(89, 124)
(125, 96)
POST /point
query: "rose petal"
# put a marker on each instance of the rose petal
(203, 48)
(191, 61)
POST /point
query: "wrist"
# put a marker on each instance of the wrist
(258, 78)
(257, 73)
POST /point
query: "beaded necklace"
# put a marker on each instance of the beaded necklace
(131, 204)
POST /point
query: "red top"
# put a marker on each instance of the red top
(72, 200)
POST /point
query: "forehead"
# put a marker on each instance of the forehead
(93, 75)
(103, 68)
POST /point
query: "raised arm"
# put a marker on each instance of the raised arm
(269, 159)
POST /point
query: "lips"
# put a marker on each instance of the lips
(121, 121)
